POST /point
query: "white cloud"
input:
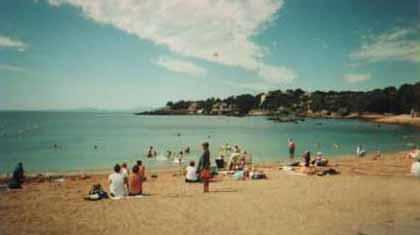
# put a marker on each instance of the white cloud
(275, 75)
(6, 42)
(258, 86)
(399, 44)
(357, 77)
(215, 31)
(11, 68)
(181, 66)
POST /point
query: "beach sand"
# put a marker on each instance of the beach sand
(391, 119)
(368, 197)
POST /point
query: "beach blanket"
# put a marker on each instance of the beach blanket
(127, 197)
(295, 173)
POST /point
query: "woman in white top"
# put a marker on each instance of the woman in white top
(191, 175)
(117, 183)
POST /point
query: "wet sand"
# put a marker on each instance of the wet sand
(368, 197)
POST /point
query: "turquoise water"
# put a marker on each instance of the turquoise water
(29, 137)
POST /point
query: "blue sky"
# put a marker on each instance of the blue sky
(122, 54)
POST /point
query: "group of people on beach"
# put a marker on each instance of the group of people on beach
(202, 171)
(122, 182)
(152, 153)
(319, 159)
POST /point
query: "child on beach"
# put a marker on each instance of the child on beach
(117, 183)
(191, 175)
(320, 160)
(124, 171)
(203, 167)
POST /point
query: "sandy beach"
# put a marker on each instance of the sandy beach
(403, 119)
(368, 197)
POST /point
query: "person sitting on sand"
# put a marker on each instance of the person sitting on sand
(124, 169)
(320, 160)
(233, 161)
(142, 170)
(377, 154)
(203, 168)
(117, 183)
(17, 178)
(360, 152)
(414, 153)
(242, 163)
(135, 182)
(220, 162)
(191, 175)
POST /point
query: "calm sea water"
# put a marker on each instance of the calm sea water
(29, 137)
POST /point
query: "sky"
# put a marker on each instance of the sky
(126, 54)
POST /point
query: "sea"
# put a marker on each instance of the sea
(65, 141)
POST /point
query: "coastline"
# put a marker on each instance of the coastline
(402, 120)
(42, 176)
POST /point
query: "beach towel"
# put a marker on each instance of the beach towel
(238, 175)
(296, 173)
(127, 197)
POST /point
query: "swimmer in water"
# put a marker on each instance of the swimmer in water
(168, 154)
(56, 146)
(150, 152)
(95, 146)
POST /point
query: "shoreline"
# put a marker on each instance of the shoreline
(81, 174)
(400, 120)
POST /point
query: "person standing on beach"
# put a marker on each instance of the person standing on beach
(17, 178)
(203, 168)
(292, 147)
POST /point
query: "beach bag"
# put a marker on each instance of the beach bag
(205, 174)
(258, 175)
(96, 192)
